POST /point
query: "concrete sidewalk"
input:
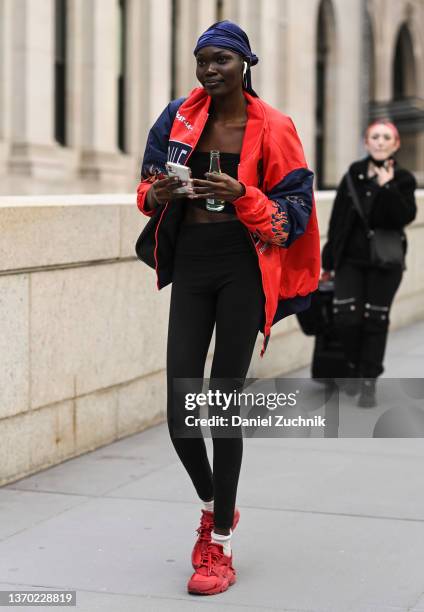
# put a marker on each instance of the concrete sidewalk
(326, 524)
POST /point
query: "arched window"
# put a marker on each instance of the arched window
(325, 94)
(405, 108)
(60, 58)
(404, 66)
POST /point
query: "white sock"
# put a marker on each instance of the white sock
(208, 505)
(225, 540)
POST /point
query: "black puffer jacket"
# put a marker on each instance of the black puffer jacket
(391, 206)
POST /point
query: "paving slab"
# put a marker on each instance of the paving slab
(106, 468)
(313, 561)
(14, 506)
(327, 524)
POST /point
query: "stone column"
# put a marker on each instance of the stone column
(271, 68)
(299, 81)
(348, 93)
(5, 81)
(148, 91)
(250, 15)
(135, 90)
(266, 26)
(386, 16)
(193, 17)
(93, 55)
(159, 49)
(75, 51)
(98, 90)
(383, 70)
(231, 10)
(155, 66)
(30, 85)
(149, 70)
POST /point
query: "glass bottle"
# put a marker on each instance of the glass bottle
(215, 166)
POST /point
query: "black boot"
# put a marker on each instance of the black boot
(367, 397)
(351, 386)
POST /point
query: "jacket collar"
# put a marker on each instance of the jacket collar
(193, 114)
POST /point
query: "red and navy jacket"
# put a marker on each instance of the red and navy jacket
(277, 209)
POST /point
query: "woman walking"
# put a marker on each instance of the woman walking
(240, 266)
(364, 288)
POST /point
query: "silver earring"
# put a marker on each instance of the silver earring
(244, 69)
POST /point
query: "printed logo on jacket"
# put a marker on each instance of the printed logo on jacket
(178, 152)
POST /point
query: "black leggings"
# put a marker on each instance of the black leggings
(362, 300)
(216, 280)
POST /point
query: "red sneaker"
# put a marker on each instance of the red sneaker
(204, 534)
(215, 573)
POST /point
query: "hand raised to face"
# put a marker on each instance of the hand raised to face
(384, 173)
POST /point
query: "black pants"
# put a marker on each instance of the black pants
(216, 280)
(361, 307)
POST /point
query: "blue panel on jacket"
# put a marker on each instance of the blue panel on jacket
(291, 306)
(156, 153)
(293, 196)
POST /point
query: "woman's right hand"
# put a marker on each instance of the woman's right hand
(163, 190)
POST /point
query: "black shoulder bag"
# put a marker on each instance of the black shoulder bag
(386, 245)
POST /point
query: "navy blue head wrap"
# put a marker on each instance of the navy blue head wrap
(229, 35)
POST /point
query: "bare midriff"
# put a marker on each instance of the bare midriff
(196, 215)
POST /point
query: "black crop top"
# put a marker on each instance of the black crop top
(199, 164)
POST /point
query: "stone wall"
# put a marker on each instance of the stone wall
(82, 347)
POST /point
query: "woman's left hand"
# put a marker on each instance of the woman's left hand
(384, 175)
(219, 186)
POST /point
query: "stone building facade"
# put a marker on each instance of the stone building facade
(81, 81)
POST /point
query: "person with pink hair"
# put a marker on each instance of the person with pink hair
(363, 290)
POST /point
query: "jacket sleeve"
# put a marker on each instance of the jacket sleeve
(327, 257)
(280, 213)
(156, 154)
(395, 206)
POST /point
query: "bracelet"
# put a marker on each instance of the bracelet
(243, 192)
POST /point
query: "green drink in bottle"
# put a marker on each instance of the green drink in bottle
(214, 166)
